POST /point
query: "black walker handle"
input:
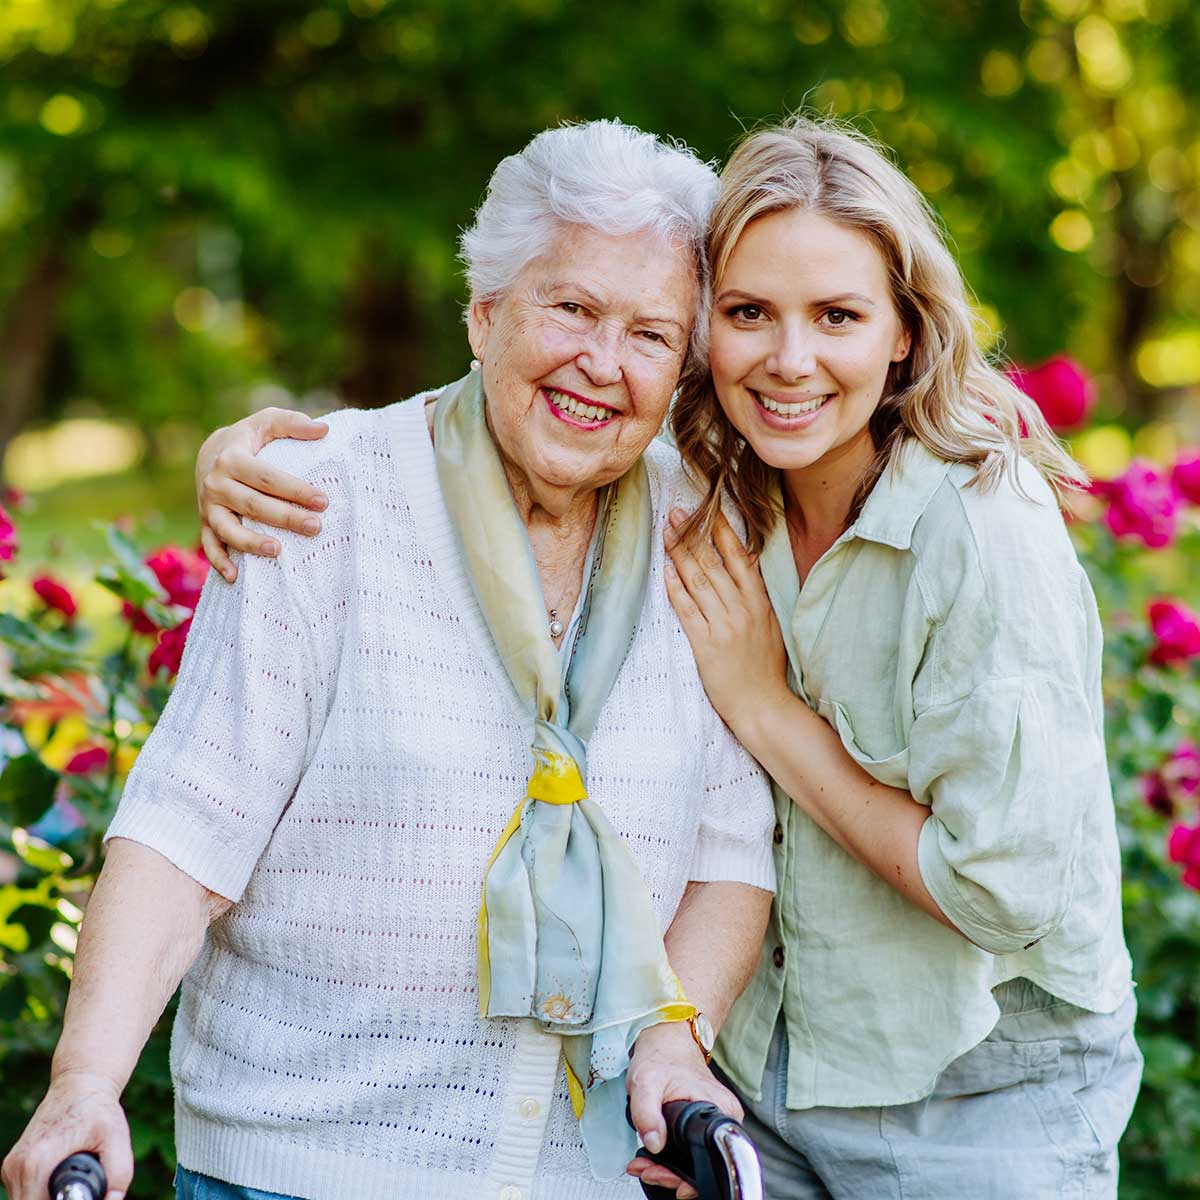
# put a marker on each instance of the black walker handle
(690, 1123)
(80, 1177)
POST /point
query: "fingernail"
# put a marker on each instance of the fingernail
(312, 525)
(669, 568)
(653, 1141)
(677, 516)
(270, 549)
(230, 576)
(321, 503)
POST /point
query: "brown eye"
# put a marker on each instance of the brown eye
(746, 312)
(839, 316)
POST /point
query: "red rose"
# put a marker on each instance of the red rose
(8, 539)
(169, 652)
(55, 595)
(1185, 475)
(181, 573)
(1176, 632)
(138, 619)
(1060, 387)
(1183, 847)
(87, 759)
(1142, 504)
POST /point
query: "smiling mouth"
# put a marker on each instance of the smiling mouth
(582, 411)
(798, 409)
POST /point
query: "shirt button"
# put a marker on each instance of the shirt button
(511, 1193)
(777, 956)
(529, 1108)
(778, 834)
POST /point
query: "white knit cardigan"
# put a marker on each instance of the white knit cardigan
(341, 751)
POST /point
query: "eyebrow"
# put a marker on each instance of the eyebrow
(826, 302)
(595, 302)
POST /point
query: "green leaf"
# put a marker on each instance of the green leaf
(26, 788)
(12, 997)
(36, 920)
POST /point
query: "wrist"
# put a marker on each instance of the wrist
(754, 723)
(668, 1037)
(70, 1065)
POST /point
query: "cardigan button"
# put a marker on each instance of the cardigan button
(777, 956)
(511, 1193)
(529, 1108)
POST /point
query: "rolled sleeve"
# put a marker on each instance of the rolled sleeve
(733, 843)
(1007, 772)
(221, 765)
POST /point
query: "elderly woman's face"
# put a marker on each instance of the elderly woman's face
(581, 355)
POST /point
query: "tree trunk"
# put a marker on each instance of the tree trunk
(26, 340)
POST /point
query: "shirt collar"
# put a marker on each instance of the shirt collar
(900, 496)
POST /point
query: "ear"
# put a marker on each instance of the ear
(903, 345)
(479, 326)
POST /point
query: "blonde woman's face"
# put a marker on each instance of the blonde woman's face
(803, 334)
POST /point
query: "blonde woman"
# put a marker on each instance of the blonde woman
(943, 1006)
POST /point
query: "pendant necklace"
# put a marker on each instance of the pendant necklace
(556, 626)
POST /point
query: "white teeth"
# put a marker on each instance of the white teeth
(790, 410)
(577, 408)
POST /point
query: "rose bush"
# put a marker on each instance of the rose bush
(73, 715)
(74, 710)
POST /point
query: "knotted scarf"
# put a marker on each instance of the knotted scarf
(568, 936)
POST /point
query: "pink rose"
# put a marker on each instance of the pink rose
(168, 653)
(55, 595)
(1185, 475)
(1142, 504)
(1176, 632)
(1060, 387)
(1176, 783)
(8, 539)
(1183, 847)
(87, 759)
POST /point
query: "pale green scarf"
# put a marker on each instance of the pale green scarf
(568, 936)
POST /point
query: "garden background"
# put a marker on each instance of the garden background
(210, 207)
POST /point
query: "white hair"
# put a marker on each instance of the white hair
(606, 175)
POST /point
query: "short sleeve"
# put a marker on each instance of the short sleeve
(734, 839)
(242, 722)
(1007, 771)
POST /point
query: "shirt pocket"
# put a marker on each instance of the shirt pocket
(892, 769)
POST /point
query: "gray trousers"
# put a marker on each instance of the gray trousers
(1034, 1111)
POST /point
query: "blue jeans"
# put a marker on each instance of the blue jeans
(189, 1185)
(1035, 1111)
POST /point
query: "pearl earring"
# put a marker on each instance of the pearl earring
(475, 364)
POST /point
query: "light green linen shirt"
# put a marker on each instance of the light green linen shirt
(952, 640)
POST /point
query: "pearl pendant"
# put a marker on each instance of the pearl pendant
(556, 626)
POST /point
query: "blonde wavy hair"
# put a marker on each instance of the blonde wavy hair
(945, 393)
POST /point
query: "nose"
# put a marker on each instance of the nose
(792, 357)
(600, 356)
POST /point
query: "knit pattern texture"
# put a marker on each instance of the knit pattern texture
(340, 752)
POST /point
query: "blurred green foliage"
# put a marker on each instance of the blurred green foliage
(197, 198)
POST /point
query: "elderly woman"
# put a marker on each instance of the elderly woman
(398, 929)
